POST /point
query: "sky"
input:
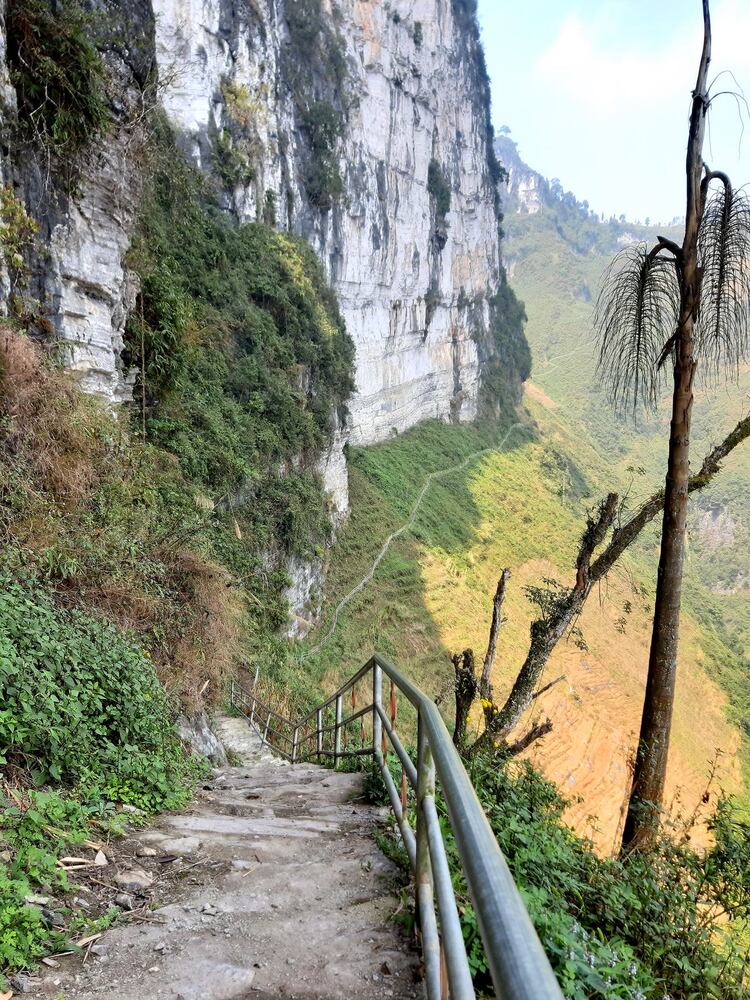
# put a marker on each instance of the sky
(597, 94)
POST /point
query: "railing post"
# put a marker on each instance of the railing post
(425, 899)
(337, 731)
(265, 731)
(377, 698)
(231, 694)
(294, 744)
(252, 710)
(319, 732)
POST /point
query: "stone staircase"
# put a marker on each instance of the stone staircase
(282, 892)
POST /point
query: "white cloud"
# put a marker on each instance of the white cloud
(606, 79)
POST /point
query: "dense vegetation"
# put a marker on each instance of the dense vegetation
(140, 564)
(243, 354)
(59, 78)
(652, 927)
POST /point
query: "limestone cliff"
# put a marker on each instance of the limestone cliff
(360, 125)
(413, 92)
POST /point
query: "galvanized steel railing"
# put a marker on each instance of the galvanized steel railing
(518, 965)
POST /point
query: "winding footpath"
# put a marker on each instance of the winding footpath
(269, 886)
(406, 526)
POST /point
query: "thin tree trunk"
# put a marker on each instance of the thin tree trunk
(465, 693)
(485, 684)
(546, 633)
(641, 822)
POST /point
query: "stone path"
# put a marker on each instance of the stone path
(282, 893)
(406, 526)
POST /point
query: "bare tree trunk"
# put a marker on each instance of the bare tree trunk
(641, 822)
(485, 684)
(546, 633)
(466, 692)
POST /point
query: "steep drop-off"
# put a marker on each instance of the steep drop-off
(557, 252)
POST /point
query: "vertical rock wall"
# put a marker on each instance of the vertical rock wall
(414, 94)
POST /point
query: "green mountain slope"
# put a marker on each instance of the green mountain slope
(522, 504)
(557, 256)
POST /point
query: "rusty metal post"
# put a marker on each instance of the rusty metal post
(319, 733)
(337, 731)
(377, 697)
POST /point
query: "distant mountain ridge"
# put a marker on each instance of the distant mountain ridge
(526, 192)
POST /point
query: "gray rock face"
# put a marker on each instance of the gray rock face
(413, 283)
(415, 97)
(196, 730)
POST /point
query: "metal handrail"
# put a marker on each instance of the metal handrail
(519, 967)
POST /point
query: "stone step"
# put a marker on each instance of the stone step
(285, 895)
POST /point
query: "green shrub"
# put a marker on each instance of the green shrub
(315, 71)
(323, 126)
(439, 189)
(59, 77)
(81, 705)
(81, 708)
(507, 356)
(650, 927)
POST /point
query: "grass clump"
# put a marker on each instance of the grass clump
(439, 189)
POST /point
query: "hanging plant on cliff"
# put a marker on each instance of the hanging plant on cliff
(59, 77)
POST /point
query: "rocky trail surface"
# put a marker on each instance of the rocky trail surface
(269, 885)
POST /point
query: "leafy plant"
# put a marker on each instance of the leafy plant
(17, 232)
(316, 73)
(59, 77)
(323, 126)
(81, 704)
(439, 190)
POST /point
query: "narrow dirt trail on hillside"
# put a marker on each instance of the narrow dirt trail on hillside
(406, 526)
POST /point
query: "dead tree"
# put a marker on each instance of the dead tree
(564, 608)
(675, 307)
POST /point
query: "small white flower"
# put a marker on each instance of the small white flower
(633, 968)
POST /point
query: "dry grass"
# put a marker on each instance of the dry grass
(207, 649)
(62, 459)
(46, 426)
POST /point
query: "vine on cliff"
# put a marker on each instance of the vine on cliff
(59, 77)
(314, 66)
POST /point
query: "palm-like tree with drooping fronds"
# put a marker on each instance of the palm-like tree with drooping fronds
(677, 306)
